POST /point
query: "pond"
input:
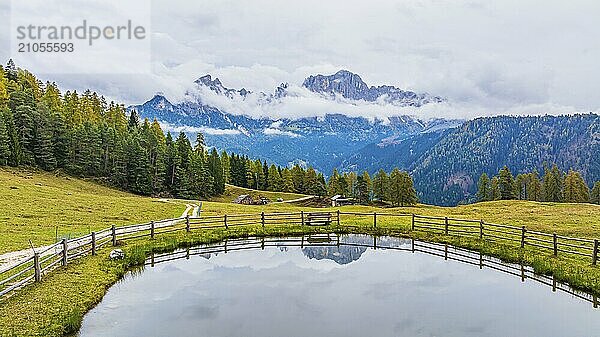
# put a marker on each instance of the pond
(329, 285)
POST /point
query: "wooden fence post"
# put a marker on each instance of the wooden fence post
(262, 218)
(302, 216)
(187, 223)
(523, 231)
(412, 223)
(36, 266)
(481, 229)
(93, 243)
(595, 252)
(374, 219)
(555, 244)
(152, 229)
(225, 221)
(65, 252)
(114, 235)
(338, 218)
(446, 225)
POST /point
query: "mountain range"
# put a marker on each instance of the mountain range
(444, 156)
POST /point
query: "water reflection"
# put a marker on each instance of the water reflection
(331, 285)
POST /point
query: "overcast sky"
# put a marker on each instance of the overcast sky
(486, 57)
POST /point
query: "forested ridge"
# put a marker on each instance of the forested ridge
(447, 174)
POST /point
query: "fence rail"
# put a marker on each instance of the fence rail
(45, 260)
(510, 234)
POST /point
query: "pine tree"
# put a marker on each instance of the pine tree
(298, 179)
(362, 190)
(225, 163)
(5, 153)
(288, 180)
(534, 190)
(134, 120)
(43, 147)
(395, 187)
(216, 171)
(595, 194)
(484, 191)
(408, 194)
(506, 184)
(275, 182)
(521, 186)
(552, 185)
(367, 178)
(575, 188)
(496, 195)
(380, 185)
(138, 168)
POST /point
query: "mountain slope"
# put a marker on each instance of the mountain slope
(323, 142)
(448, 172)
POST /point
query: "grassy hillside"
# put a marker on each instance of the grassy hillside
(33, 205)
(232, 192)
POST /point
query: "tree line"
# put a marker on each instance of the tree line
(396, 187)
(554, 186)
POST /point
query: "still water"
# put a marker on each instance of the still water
(338, 286)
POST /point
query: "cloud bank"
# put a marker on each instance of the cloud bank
(486, 58)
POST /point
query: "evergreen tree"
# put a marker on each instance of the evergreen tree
(5, 153)
(24, 126)
(44, 147)
(395, 188)
(534, 190)
(575, 188)
(496, 195)
(288, 180)
(225, 163)
(595, 194)
(506, 184)
(380, 185)
(275, 179)
(484, 191)
(552, 185)
(215, 168)
(362, 190)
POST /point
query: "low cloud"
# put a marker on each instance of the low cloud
(278, 132)
(193, 129)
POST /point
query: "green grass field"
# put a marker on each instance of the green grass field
(34, 205)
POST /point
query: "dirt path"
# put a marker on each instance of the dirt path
(12, 258)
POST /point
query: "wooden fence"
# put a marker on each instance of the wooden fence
(520, 236)
(47, 259)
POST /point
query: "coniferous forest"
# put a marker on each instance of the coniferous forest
(554, 186)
